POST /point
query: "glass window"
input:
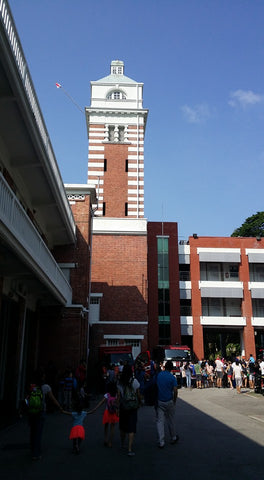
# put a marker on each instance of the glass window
(116, 95)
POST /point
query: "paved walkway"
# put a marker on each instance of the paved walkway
(221, 437)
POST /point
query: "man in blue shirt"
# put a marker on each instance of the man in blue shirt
(167, 396)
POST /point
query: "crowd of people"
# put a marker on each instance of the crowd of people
(222, 373)
(125, 390)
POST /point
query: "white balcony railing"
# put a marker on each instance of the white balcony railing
(17, 227)
(257, 289)
(12, 36)
(219, 289)
(224, 321)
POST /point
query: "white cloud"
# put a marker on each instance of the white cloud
(244, 98)
(196, 114)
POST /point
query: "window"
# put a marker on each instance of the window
(105, 165)
(126, 168)
(163, 281)
(103, 209)
(133, 342)
(185, 307)
(116, 95)
(94, 301)
(111, 133)
(112, 343)
(126, 209)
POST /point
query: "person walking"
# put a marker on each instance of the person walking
(77, 433)
(36, 400)
(188, 375)
(167, 396)
(237, 375)
(219, 370)
(111, 413)
(129, 402)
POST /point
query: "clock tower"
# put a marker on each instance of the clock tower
(116, 122)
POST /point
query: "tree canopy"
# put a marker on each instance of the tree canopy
(252, 227)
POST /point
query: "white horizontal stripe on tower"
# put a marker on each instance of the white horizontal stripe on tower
(130, 191)
(96, 147)
(140, 142)
(134, 149)
(96, 164)
(98, 173)
(134, 182)
(94, 181)
(134, 157)
(95, 140)
(95, 155)
(132, 135)
(134, 174)
(96, 129)
(95, 135)
(134, 166)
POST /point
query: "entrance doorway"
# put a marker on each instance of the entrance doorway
(223, 342)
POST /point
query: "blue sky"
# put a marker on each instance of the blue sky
(202, 64)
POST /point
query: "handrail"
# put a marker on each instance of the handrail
(19, 227)
(18, 54)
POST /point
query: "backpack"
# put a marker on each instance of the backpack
(129, 399)
(111, 405)
(35, 401)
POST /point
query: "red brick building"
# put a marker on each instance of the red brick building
(222, 280)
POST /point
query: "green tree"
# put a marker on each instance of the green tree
(252, 227)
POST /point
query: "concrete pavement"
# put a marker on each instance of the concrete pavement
(221, 437)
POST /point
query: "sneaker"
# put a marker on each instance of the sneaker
(131, 454)
(175, 440)
(161, 445)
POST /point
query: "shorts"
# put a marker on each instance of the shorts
(238, 381)
(251, 377)
(219, 374)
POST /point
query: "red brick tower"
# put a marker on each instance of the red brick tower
(116, 124)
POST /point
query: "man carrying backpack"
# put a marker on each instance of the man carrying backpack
(167, 396)
(36, 402)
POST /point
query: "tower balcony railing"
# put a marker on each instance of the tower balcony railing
(18, 230)
(8, 24)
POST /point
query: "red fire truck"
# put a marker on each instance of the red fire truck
(162, 353)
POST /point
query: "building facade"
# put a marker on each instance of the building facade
(221, 290)
(44, 250)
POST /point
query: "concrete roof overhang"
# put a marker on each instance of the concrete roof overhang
(25, 149)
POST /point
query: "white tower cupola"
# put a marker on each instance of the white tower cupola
(117, 67)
